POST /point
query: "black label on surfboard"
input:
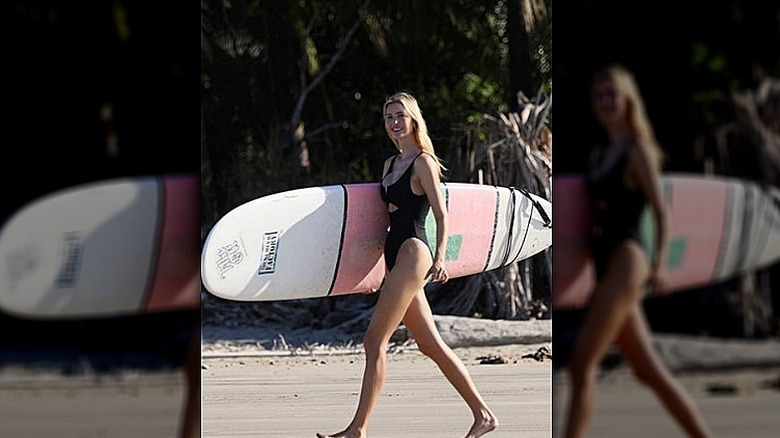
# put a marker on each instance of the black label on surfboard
(268, 253)
(70, 259)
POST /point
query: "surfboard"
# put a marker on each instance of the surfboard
(719, 227)
(113, 247)
(327, 241)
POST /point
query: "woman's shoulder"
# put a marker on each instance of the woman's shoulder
(646, 151)
(425, 159)
(645, 147)
(425, 155)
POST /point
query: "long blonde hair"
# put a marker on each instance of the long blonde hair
(638, 121)
(420, 128)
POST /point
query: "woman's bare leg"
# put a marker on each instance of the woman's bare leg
(403, 282)
(611, 303)
(636, 346)
(419, 321)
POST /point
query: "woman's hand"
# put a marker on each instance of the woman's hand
(438, 272)
(655, 281)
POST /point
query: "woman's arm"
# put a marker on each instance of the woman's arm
(427, 173)
(648, 178)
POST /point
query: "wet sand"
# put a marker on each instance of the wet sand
(739, 403)
(300, 395)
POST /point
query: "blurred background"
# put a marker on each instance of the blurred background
(708, 72)
(95, 90)
(690, 64)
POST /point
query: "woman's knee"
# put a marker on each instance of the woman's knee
(646, 374)
(432, 348)
(582, 370)
(375, 343)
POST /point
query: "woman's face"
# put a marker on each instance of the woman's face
(398, 123)
(609, 104)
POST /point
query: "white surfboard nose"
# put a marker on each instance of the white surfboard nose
(281, 246)
(99, 249)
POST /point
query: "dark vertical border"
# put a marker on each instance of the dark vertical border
(495, 227)
(747, 222)
(341, 239)
(767, 225)
(154, 257)
(727, 223)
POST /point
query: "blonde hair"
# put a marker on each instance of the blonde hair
(420, 128)
(638, 121)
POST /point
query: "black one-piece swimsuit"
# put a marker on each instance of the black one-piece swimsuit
(408, 220)
(616, 210)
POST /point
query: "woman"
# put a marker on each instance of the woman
(624, 176)
(410, 187)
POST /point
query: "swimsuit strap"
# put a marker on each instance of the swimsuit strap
(392, 163)
(411, 163)
(389, 169)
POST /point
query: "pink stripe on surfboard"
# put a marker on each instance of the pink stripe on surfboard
(362, 263)
(472, 213)
(697, 207)
(571, 255)
(176, 282)
(696, 202)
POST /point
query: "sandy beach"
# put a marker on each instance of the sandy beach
(297, 396)
(132, 404)
(740, 403)
(290, 397)
(268, 382)
(103, 377)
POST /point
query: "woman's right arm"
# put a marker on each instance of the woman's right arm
(648, 178)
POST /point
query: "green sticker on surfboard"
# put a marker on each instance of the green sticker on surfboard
(676, 246)
(454, 241)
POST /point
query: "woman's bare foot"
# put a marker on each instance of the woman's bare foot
(487, 422)
(343, 434)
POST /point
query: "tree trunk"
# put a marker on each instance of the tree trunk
(282, 61)
(519, 54)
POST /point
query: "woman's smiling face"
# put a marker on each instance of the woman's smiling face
(609, 103)
(398, 123)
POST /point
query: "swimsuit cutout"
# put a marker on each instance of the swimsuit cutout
(615, 208)
(408, 220)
